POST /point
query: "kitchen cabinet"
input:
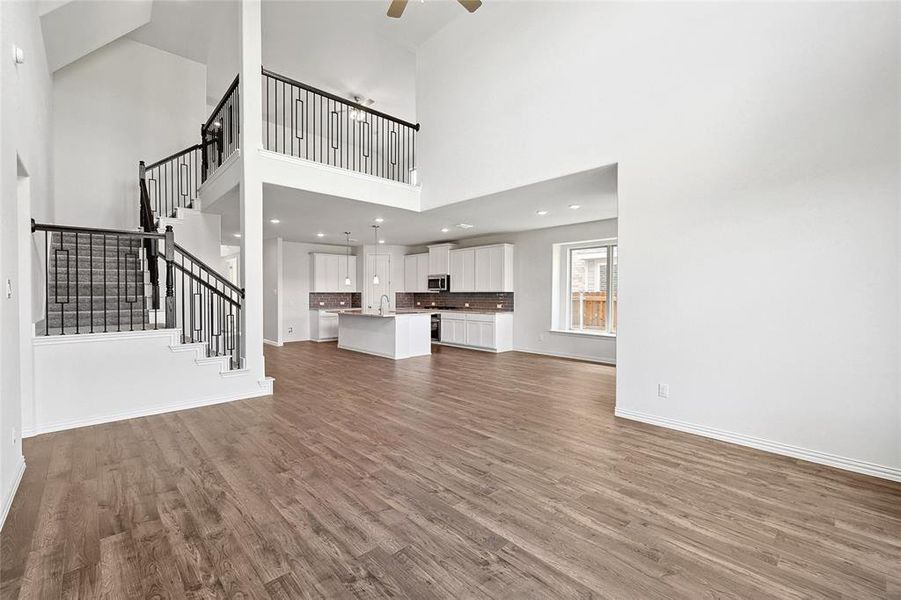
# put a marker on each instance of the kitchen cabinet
(416, 272)
(323, 326)
(482, 269)
(462, 270)
(484, 331)
(328, 272)
(439, 259)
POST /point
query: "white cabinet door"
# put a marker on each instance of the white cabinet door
(482, 279)
(473, 333)
(328, 326)
(496, 273)
(411, 273)
(422, 273)
(459, 332)
(462, 271)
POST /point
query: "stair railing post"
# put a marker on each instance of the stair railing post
(170, 277)
(204, 161)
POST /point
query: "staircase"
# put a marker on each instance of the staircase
(96, 283)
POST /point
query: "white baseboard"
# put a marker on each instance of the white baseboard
(814, 456)
(265, 389)
(8, 501)
(271, 343)
(582, 357)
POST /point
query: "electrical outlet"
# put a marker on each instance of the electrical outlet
(15, 436)
(466, 305)
(419, 304)
(433, 304)
(540, 337)
(663, 390)
(500, 306)
(290, 330)
(322, 304)
(9, 289)
(342, 304)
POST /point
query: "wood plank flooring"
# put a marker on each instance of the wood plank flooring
(462, 475)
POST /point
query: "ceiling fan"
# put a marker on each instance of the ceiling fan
(397, 7)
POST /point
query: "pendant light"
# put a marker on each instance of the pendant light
(375, 276)
(347, 260)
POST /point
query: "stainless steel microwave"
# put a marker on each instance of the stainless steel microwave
(439, 283)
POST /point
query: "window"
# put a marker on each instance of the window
(587, 294)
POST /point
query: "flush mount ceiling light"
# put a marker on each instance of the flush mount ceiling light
(237, 235)
(381, 241)
(379, 220)
(274, 221)
(320, 234)
(541, 213)
(375, 276)
(575, 206)
(464, 225)
(444, 230)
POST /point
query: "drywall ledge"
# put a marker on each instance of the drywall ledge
(814, 456)
(88, 379)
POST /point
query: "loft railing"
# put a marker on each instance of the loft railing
(174, 182)
(96, 280)
(305, 122)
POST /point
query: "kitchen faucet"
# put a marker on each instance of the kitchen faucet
(381, 305)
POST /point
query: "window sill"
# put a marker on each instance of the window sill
(596, 334)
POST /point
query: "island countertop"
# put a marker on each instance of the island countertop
(360, 312)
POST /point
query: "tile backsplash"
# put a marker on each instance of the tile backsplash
(488, 301)
(336, 300)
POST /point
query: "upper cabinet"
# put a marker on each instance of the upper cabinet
(416, 272)
(482, 269)
(329, 272)
(439, 259)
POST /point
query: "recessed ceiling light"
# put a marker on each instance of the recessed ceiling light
(575, 206)
(444, 230)
(274, 221)
(464, 225)
(320, 234)
(379, 219)
(381, 241)
(237, 235)
(541, 213)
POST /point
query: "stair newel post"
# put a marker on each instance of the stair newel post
(204, 160)
(170, 277)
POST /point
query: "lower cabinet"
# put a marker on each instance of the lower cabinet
(489, 331)
(323, 326)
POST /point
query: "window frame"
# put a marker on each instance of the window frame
(562, 322)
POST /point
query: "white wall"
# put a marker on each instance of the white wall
(332, 50)
(757, 146)
(124, 103)
(272, 285)
(24, 149)
(396, 255)
(296, 287)
(533, 259)
(90, 378)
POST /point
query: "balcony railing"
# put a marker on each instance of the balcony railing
(305, 122)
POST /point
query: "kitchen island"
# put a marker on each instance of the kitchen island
(393, 335)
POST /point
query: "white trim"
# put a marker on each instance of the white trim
(265, 390)
(331, 339)
(271, 343)
(79, 338)
(589, 334)
(312, 163)
(814, 456)
(582, 357)
(8, 501)
(467, 347)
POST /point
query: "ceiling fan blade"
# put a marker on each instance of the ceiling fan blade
(470, 5)
(397, 8)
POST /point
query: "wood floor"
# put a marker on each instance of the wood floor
(463, 475)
